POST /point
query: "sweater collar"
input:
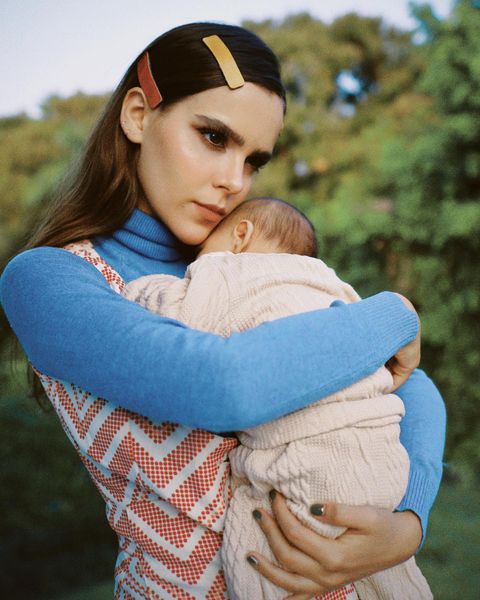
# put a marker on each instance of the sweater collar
(147, 236)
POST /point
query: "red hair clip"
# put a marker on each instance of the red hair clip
(147, 82)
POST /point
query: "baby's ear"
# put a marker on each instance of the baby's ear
(242, 235)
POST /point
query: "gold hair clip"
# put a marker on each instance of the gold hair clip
(225, 61)
(147, 81)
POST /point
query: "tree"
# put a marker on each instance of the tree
(433, 172)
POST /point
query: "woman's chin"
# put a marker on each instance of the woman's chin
(194, 235)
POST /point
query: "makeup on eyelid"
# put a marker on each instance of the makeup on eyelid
(257, 159)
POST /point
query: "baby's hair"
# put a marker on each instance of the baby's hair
(279, 222)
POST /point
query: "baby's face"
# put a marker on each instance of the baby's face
(238, 238)
(220, 240)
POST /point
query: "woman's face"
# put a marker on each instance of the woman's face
(198, 157)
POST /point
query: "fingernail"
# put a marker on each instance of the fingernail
(272, 494)
(253, 561)
(257, 515)
(317, 509)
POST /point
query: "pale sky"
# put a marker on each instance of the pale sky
(64, 46)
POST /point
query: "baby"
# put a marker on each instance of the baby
(257, 265)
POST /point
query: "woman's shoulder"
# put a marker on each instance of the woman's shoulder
(44, 261)
(43, 268)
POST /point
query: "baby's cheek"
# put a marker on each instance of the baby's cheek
(212, 244)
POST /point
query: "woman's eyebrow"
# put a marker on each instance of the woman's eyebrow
(217, 124)
(262, 156)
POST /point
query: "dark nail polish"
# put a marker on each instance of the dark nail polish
(257, 515)
(272, 494)
(318, 510)
(253, 561)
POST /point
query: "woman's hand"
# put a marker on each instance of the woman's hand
(311, 564)
(407, 358)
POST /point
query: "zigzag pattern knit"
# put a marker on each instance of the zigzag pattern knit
(165, 486)
(345, 448)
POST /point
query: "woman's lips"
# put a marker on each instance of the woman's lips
(211, 212)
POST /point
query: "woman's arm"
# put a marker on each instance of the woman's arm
(73, 327)
(422, 432)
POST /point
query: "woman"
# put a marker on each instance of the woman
(175, 150)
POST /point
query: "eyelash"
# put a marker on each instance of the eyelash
(256, 167)
(205, 131)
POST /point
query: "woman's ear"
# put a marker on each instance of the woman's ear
(242, 236)
(134, 111)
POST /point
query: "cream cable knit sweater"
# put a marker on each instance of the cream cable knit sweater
(344, 448)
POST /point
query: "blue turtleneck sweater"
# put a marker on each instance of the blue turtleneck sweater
(74, 327)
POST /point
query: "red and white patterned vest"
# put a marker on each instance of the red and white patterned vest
(166, 487)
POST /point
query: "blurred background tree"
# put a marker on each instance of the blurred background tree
(381, 148)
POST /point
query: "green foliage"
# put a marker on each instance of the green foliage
(394, 190)
(391, 180)
(451, 554)
(53, 525)
(34, 155)
(435, 183)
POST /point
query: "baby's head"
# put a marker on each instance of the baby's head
(263, 225)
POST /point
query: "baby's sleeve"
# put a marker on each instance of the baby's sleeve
(200, 300)
(160, 294)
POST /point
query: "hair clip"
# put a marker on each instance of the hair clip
(147, 81)
(225, 61)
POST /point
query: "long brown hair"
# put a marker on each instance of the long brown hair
(103, 189)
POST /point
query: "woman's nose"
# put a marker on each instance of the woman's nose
(232, 176)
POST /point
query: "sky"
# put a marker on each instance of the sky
(63, 46)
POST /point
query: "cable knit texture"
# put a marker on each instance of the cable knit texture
(345, 448)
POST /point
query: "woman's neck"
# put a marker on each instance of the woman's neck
(144, 246)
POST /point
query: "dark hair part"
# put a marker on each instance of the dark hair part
(279, 222)
(104, 189)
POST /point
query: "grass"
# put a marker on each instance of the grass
(102, 591)
(450, 559)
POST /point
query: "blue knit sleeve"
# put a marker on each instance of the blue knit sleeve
(422, 432)
(73, 327)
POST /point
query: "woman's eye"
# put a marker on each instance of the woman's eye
(255, 166)
(216, 138)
